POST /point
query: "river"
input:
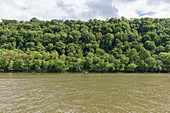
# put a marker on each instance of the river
(92, 92)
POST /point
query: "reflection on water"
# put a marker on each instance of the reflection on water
(23, 92)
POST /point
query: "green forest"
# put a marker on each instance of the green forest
(112, 45)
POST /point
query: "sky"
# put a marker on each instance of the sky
(83, 9)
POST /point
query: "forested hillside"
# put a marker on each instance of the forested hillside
(113, 45)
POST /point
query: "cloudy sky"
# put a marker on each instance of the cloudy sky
(83, 9)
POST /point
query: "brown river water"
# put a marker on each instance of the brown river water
(92, 92)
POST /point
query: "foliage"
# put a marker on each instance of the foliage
(114, 45)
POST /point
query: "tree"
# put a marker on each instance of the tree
(34, 20)
(131, 67)
(167, 48)
(37, 65)
(45, 65)
(2, 64)
(150, 45)
(144, 54)
(60, 46)
(87, 37)
(146, 38)
(10, 65)
(165, 58)
(160, 49)
(59, 66)
(76, 35)
(79, 65)
(30, 45)
(106, 43)
(3, 39)
(19, 65)
(152, 64)
(133, 55)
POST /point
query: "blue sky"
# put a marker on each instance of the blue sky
(141, 14)
(83, 9)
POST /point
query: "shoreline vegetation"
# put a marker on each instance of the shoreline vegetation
(115, 45)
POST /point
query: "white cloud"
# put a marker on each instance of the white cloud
(129, 10)
(50, 9)
(82, 9)
(26, 9)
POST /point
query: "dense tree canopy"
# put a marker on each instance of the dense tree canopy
(113, 45)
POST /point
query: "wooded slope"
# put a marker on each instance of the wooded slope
(113, 45)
